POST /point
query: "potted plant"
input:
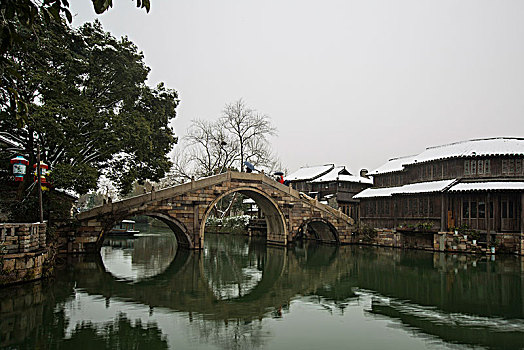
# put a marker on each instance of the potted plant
(474, 236)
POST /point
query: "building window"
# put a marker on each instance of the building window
(482, 210)
(465, 210)
(473, 208)
(504, 207)
(504, 166)
(413, 207)
(466, 167)
(511, 166)
(424, 206)
(487, 166)
(480, 167)
(473, 167)
(518, 166)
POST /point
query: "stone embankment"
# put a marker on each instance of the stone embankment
(24, 252)
(511, 243)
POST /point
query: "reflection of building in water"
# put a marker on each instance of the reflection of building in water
(454, 328)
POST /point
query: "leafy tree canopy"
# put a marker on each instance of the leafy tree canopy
(19, 15)
(88, 106)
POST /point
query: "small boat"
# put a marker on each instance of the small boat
(126, 228)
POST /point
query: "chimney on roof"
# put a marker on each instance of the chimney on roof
(364, 173)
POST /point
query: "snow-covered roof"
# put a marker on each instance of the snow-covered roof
(394, 164)
(376, 192)
(309, 173)
(340, 173)
(471, 148)
(10, 142)
(425, 187)
(421, 187)
(488, 186)
(474, 148)
(248, 201)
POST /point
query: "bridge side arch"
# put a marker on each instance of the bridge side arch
(179, 229)
(319, 229)
(276, 222)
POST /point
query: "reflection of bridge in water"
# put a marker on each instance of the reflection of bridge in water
(467, 300)
(185, 286)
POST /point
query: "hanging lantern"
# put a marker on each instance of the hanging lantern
(19, 167)
(43, 172)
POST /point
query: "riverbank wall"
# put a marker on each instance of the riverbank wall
(24, 252)
(509, 243)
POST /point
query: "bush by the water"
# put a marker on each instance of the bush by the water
(230, 224)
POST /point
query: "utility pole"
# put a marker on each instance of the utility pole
(38, 175)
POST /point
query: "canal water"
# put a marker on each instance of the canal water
(239, 293)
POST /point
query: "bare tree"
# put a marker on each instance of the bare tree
(212, 147)
(207, 149)
(250, 131)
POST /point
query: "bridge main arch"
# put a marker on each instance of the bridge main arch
(275, 220)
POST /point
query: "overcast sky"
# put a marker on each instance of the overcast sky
(347, 82)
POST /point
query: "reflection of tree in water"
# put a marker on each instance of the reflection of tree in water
(233, 334)
(232, 266)
(119, 334)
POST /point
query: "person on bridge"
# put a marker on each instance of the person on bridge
(279, 177)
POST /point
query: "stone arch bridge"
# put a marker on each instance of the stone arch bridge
(289, 214)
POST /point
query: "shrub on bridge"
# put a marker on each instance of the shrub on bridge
(231, 224)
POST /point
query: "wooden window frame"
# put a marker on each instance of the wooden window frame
(466, 167)
(480, 167)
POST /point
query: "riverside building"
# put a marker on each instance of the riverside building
(475, 184)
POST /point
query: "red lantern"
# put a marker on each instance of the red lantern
(43, 172)
(19, 167)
